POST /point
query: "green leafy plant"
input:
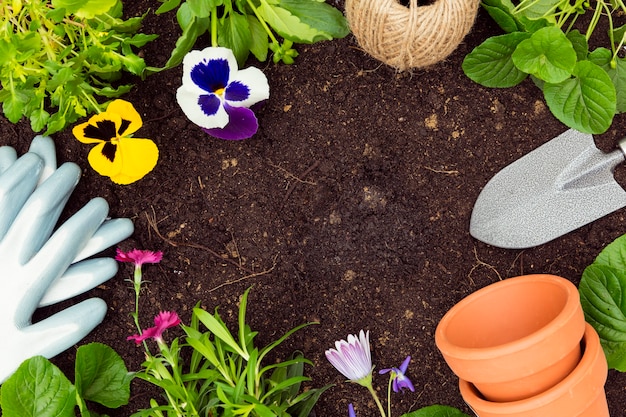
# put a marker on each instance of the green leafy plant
(253, 26)
(583, 88)
(63, 54)
(602, 295)
(224, 375)
(40, 389)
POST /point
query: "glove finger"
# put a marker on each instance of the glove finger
(17, 183)
(34, 222)
(44, 147)
(110, 233)
(79, 278)
(52, 335)
(7, 157)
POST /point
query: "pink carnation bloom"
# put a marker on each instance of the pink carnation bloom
(163, 321)
(139, 257)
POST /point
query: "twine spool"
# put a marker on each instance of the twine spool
(410, 37)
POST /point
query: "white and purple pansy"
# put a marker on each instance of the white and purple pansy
(217, 96)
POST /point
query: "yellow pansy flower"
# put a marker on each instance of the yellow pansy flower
(117, 154)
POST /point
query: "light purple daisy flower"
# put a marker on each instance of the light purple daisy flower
(352, 358)
(217, 96)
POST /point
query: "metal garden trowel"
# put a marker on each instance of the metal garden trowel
(560, 186)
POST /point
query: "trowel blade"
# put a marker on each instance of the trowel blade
(564, 184)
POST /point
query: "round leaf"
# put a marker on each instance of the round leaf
(490, 63)
(602, 290)
(586, 102)
(548, 54)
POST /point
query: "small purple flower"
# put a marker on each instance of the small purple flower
(351, 412)
(216, 96)
(352, 358)
(400, 381)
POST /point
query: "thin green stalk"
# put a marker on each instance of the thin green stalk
(214, 27)
(262, 21)
(376, 400)
(389, 395)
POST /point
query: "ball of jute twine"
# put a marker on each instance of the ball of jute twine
(410, 37)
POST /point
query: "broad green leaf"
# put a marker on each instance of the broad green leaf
(580, 44)
(603, 299)
(203, 8)
(547, 54)
(101, 375)
(490, 63)
(614, 254)
(503, 18)
(289, 26)
(37, 389)
(616, 70)
(259, 44)
(235, 34)
(13, 106)
(39, 119)
(538, 9)
(318, 15)
(436, 411)
(586, 102)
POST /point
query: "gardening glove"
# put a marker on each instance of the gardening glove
(39, 267)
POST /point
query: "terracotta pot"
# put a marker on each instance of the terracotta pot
(580, 394)
(516, 338)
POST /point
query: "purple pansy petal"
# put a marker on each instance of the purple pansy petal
(211, 75)
(188, 100)
(236, 92)
(351, 412)
(404, 382)
(193, 58)
(256, 81)
(405, 364)
(209, 104)
(242, 125)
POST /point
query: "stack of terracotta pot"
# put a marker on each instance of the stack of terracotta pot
(521, 348)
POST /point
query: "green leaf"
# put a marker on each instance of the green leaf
(39, 119)
(490, 63)
(86, 9)
(318, 15)
(37, 389)
(259, 44)
(586, 102)
(219, 329)
(168, 5)
(547, 54)
(203, 8)
(436, 411)
(603, 299)
(101, 375)
(502, 17)
(289, 26)
(13, 105)
(580, 44)
(614, 254)
(538, 9)
(235, 34)
(617, 72)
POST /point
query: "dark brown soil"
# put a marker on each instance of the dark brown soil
(350, 207)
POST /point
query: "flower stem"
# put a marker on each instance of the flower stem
(214, 27)
(389, 395)
(377, 400)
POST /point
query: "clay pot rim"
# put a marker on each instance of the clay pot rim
(538, 338)
(578, 381)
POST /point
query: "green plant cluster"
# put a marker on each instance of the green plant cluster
(583, 88)
(225, 376)
(254, 26)
(602, 291)
(40, 389)
(61, 54)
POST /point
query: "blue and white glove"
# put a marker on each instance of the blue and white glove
(39, 265)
